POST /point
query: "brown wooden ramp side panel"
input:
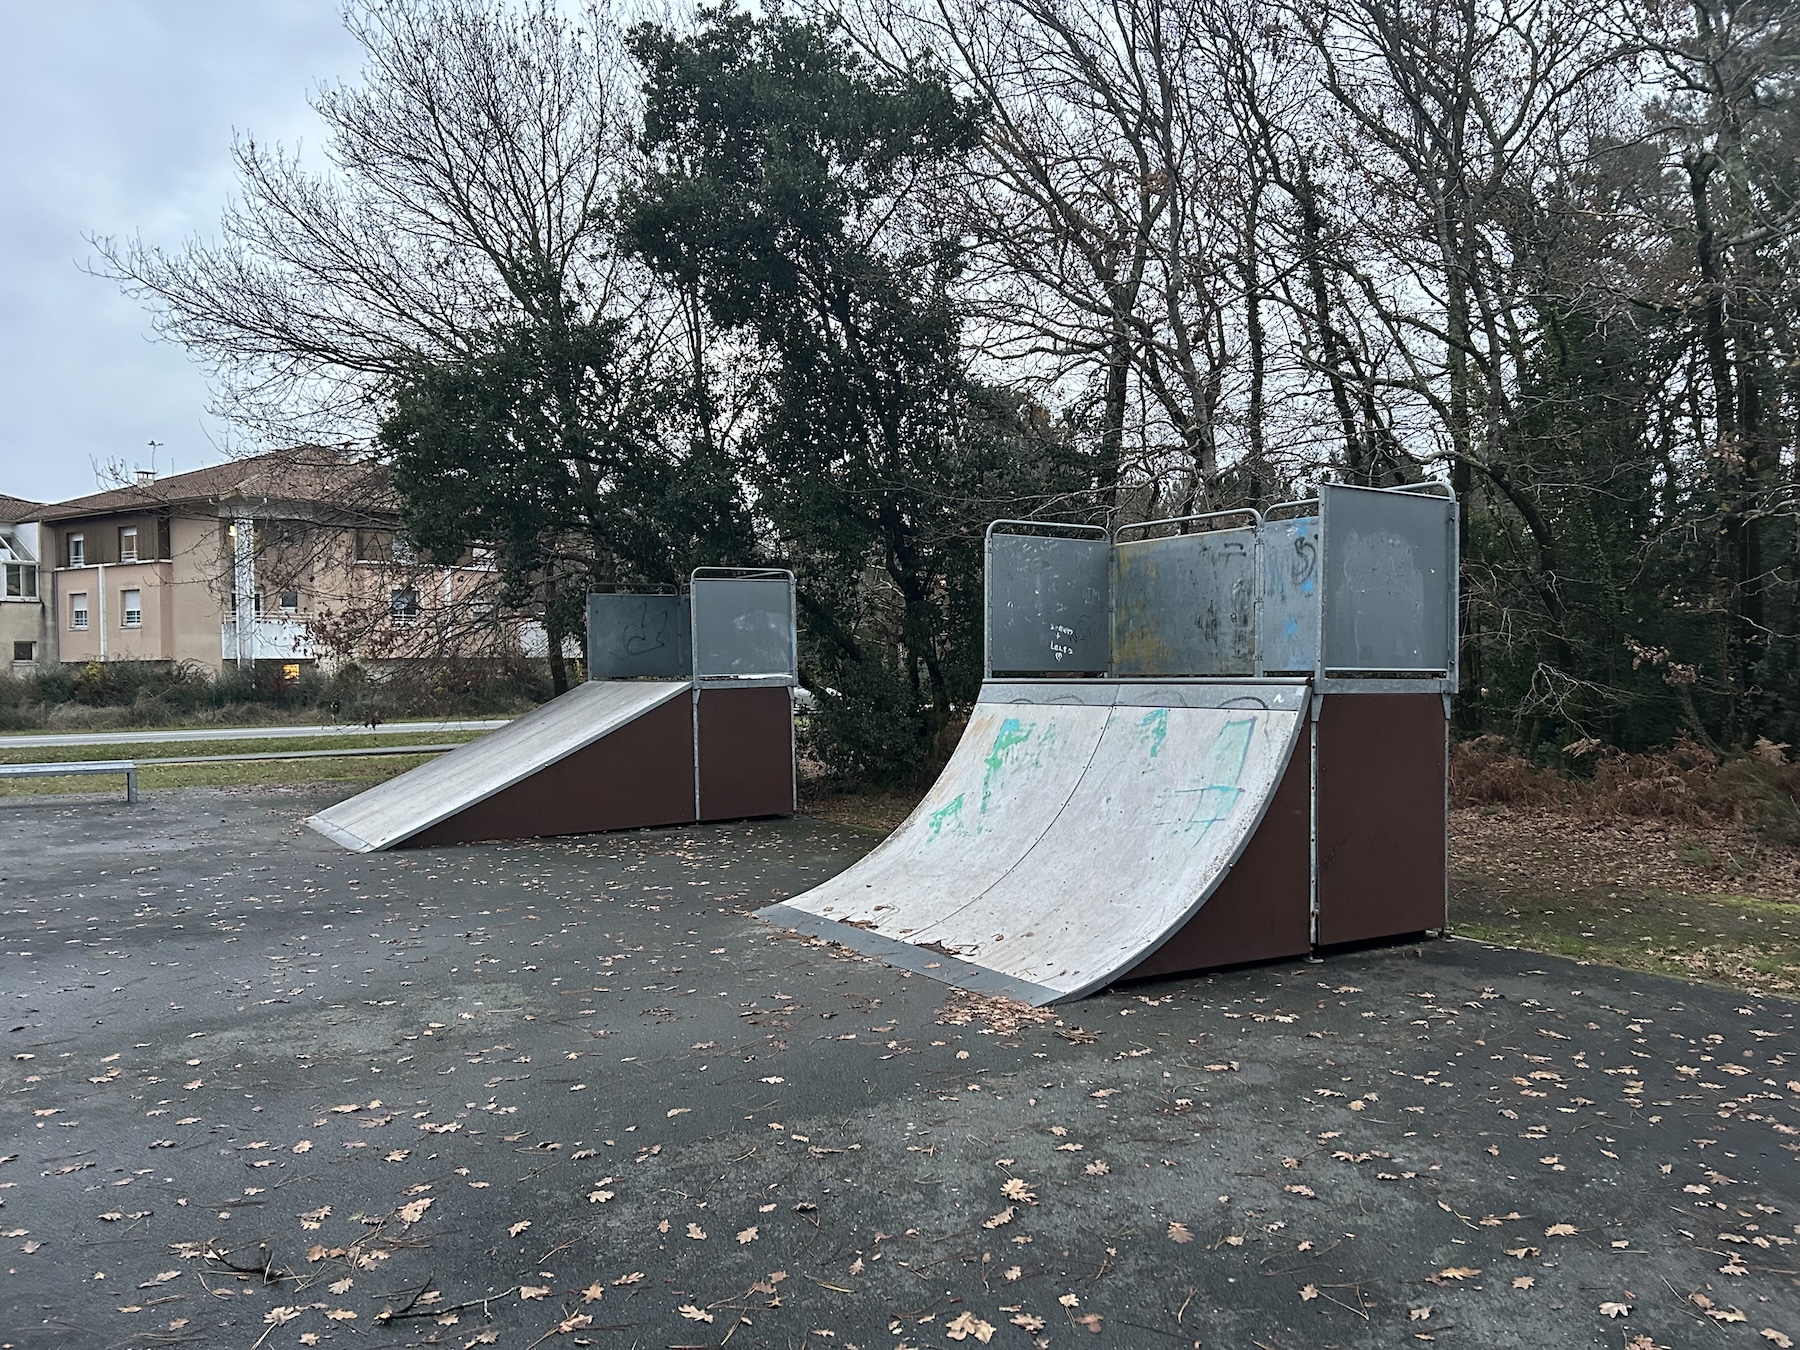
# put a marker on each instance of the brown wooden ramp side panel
(1262, 909)
(641, 774)
(746, 752)
(1381, 815)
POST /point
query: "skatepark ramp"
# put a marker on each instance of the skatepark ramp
(687, 716)
(1223, 743)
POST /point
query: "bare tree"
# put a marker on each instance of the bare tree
(467, 180)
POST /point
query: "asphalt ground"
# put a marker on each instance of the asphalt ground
(261, 1092)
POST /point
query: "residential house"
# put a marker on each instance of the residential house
(291, 557)
(22, 630)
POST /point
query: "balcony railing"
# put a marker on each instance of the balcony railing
(267, 640)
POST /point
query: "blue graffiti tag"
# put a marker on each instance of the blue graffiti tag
(1224, 770)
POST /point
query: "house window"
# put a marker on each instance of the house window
(374, 546)
(131, 606)
(404, 606)
(24, 651)
(128, 545)
(290, 600)
(78, 550)
(78, 610)
(291, 671)
(21, 581)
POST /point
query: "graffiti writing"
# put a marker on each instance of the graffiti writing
(649, 633)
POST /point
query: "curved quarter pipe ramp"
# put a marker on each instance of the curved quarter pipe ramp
(1066, 840)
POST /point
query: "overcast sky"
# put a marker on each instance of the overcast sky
(116, 117)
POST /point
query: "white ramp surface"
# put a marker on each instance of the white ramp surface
(392, 812)
(1064, 843)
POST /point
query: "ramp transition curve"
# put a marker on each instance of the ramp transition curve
(1067, 841)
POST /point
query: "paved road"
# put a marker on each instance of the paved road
(261, 1091)
(99, 738)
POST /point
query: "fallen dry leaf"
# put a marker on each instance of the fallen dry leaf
(1308, 1292)
(1179, 1232)
(1419, 1314)
(593, 1293)
(1015, 1188)
(1457, 1273)
(694, 1314)
(304, 1146)
(747, 1235)
(518, 1228)
(1089, 1320)
(696, 1232)
(967, 1325)
(531, 1291)
(1612, 1308)
(1780, 1340)
(1031, 1322)
(1523, 1282)
(995, 1220)
(413, 1211)
(1561, 1230)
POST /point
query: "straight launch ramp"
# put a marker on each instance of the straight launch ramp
(688, 716)
(1076, 829)
(484, 771)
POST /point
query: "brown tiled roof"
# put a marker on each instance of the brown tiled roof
(306, 473)
(16, 509)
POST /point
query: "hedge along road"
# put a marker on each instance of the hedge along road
(268, 1093)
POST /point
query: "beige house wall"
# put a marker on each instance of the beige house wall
(187, 591)
(107, 636)
(22, 621)
(200, 597)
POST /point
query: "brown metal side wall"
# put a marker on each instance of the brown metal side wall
(1262, 909)
(641, 774)
(1381, 815)
(746, 753)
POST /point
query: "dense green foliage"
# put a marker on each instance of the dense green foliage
(781, 164)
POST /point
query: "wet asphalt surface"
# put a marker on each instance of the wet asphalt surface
(261, 1092)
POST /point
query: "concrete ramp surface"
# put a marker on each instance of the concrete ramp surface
(1066, 841)
(409, 806)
